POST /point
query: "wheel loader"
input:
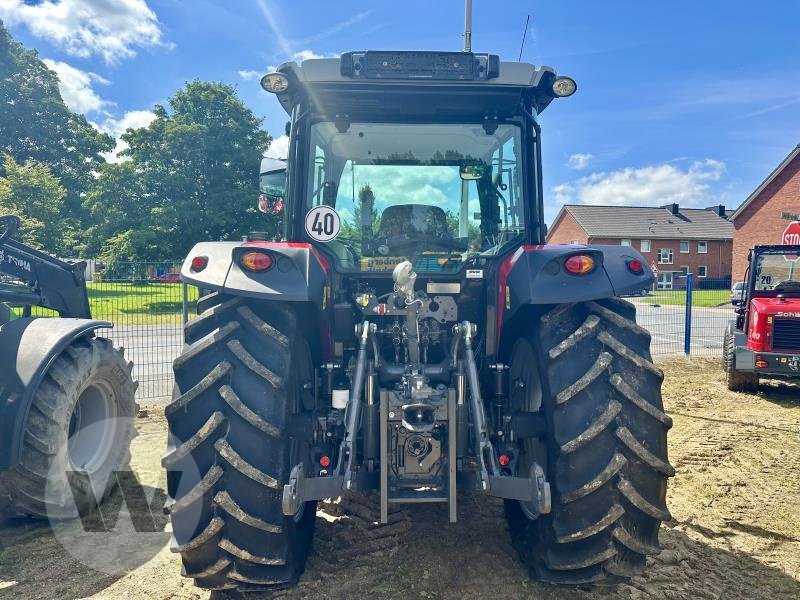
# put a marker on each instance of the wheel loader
(764, 339)
(67, 403)
(414, 338)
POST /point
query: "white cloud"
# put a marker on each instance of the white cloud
(134, 119)
(279, 148)
(646, 186)
(250, 75)
(76, 87)
(395, 184)
(308, 55)
(579, 161)
(88, 27)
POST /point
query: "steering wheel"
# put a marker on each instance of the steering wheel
(9, 225)
(788, 285)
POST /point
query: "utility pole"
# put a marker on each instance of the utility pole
(468, 26)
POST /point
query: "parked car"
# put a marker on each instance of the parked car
(737, 293)
(167, 278)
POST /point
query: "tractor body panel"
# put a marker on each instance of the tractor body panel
(28, 346)
(537, 274)
(297, 273)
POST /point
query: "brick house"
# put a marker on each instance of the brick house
(764, 215)
(678, 241)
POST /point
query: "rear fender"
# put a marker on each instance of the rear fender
(536, 275)
(28, 346)
(298, 273)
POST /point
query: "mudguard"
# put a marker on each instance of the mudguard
(536, 275)
(28, 346)
(298, 272)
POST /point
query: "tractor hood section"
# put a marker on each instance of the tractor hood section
(537, 275)
(763, 312)
(297, 274)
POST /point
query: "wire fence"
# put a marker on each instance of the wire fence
(148, 305)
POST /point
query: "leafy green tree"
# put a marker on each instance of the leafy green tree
(31, 192)
(35, 124)
(191, 175)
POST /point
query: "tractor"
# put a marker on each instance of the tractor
(412, 337)
(67, 404)
(764, 339)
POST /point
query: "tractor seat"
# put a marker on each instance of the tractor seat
(413, 221)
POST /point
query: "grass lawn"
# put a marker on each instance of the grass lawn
(135, 303)
(700, 298)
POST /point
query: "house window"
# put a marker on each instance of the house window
(625, 242)
(684, 246)
(665, 256)
(702, 247)
(645, 246)
(684, 270)
(664, 281)
(574, 242)
(701, 271)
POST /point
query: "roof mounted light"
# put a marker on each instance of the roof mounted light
(564, 86)
(275, 83)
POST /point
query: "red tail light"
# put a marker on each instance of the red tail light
(579, 264)
(199, 263)
(635, 266)
(256, 261)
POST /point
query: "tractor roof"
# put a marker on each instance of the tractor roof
(411, 83)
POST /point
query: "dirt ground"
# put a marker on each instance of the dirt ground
(735, 531)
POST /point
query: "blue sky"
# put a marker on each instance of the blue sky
(694, 102)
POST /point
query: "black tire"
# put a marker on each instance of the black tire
(239, 394)
(737, 381)
(77, 434)
(606, 446)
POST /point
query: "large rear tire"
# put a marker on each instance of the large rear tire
(737, 381)
(605, 452)
(77, 435)
(237, 425)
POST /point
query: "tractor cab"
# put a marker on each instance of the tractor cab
(765, 337)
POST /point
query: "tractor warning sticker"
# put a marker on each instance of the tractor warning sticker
(323, 223)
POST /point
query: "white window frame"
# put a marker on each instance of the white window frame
(704, 272)
(664, 280)
(685, 269)
(574, 242)
(688, 247)
(702, 249)
(670, 254)
(642, 244)
(625, 242)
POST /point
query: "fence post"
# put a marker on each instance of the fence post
(687, 334)
(185, 292)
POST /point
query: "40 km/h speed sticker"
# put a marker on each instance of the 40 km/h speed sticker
(323, 223)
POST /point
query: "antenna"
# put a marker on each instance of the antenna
(468, 26)
(524, 35)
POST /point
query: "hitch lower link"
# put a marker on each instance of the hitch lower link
(533, 490)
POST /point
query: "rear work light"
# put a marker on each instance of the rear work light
(256, 261)
(635, 266)
(199, 263)
(580, 264)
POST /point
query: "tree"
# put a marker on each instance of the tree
(31, 192)
(191, 175)
(36, 125)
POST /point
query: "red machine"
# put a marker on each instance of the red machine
(764, 339)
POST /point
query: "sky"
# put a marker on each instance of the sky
(683, 101)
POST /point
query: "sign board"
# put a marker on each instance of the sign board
(791, 237)
(654, 267)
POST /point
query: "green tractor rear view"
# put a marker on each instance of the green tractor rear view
(414, 337)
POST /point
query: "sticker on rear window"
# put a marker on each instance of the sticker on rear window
(323, 223)
(474, 273)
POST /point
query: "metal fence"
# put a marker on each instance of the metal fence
(147, 306)
(689, 318)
